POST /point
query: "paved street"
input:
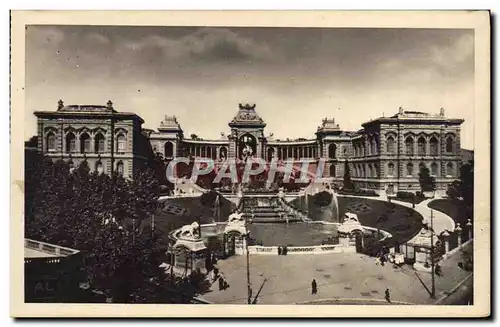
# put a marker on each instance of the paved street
(339, 276)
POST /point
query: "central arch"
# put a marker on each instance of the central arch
(247, 146)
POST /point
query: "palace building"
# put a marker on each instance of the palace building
(385, 155)
(109, 140)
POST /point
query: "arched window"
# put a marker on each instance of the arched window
(421, 146)
(364, 170)
(99, 143)
(51, 142)
(333, 171)
(409, 146)
(70, 142)
(434, 146)
(449, 144)
(169, 149)
(270, 153)
(391, 148)
(85, 143)
(375, 171)
(99, 167)
(332, 149)
(121, 143)
(120, 168)
(370, 169)
(434, 169)
(421, 166)
(390, 169)
(449, 169)
(409, 169)
(374, 145)
(223, 153)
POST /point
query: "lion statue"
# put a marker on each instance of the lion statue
(235, 218)
(190, 231)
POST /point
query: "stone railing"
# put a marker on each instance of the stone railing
(55, 250)
(293, 250)
(294, 211)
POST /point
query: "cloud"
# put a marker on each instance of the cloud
(457, 54)
(97, 38)
(44, 36)
(205, 44)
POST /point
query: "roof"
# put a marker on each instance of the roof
(247, 115)
(86, 110)
(328, 125)
(170, 124)
(415, 117)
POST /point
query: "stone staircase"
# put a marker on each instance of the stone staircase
(275, 210)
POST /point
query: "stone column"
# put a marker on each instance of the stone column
(458, 230)
(446, 236)
(469, 228)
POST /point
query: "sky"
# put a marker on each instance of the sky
(295, 76)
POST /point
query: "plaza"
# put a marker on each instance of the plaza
(341, 277)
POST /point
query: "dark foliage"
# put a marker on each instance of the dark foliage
(348, 183)
(427, 182)
(107, 218)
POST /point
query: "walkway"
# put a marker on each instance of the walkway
(441, 220)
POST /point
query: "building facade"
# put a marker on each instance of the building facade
(110, 141)
(386, 155)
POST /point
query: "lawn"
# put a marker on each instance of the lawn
(182, 211)
(402, 222)
(453, 208)
(459, 212)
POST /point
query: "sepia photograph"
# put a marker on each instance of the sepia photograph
(217, 160)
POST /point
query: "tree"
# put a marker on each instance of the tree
(107, 219)
(464, 187)
(427, 182)
(348, 184)
(467, 183)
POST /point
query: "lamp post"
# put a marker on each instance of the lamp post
(249, 288)
(433, 277)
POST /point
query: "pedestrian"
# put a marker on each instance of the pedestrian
(285, 250)
(279, 250)
(387, 295)
(208, 263)
(221, 283)
(216, 274)
(314, 287)
(437, 270)
(382, 260)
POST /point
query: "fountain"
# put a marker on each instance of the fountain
(326, 207)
